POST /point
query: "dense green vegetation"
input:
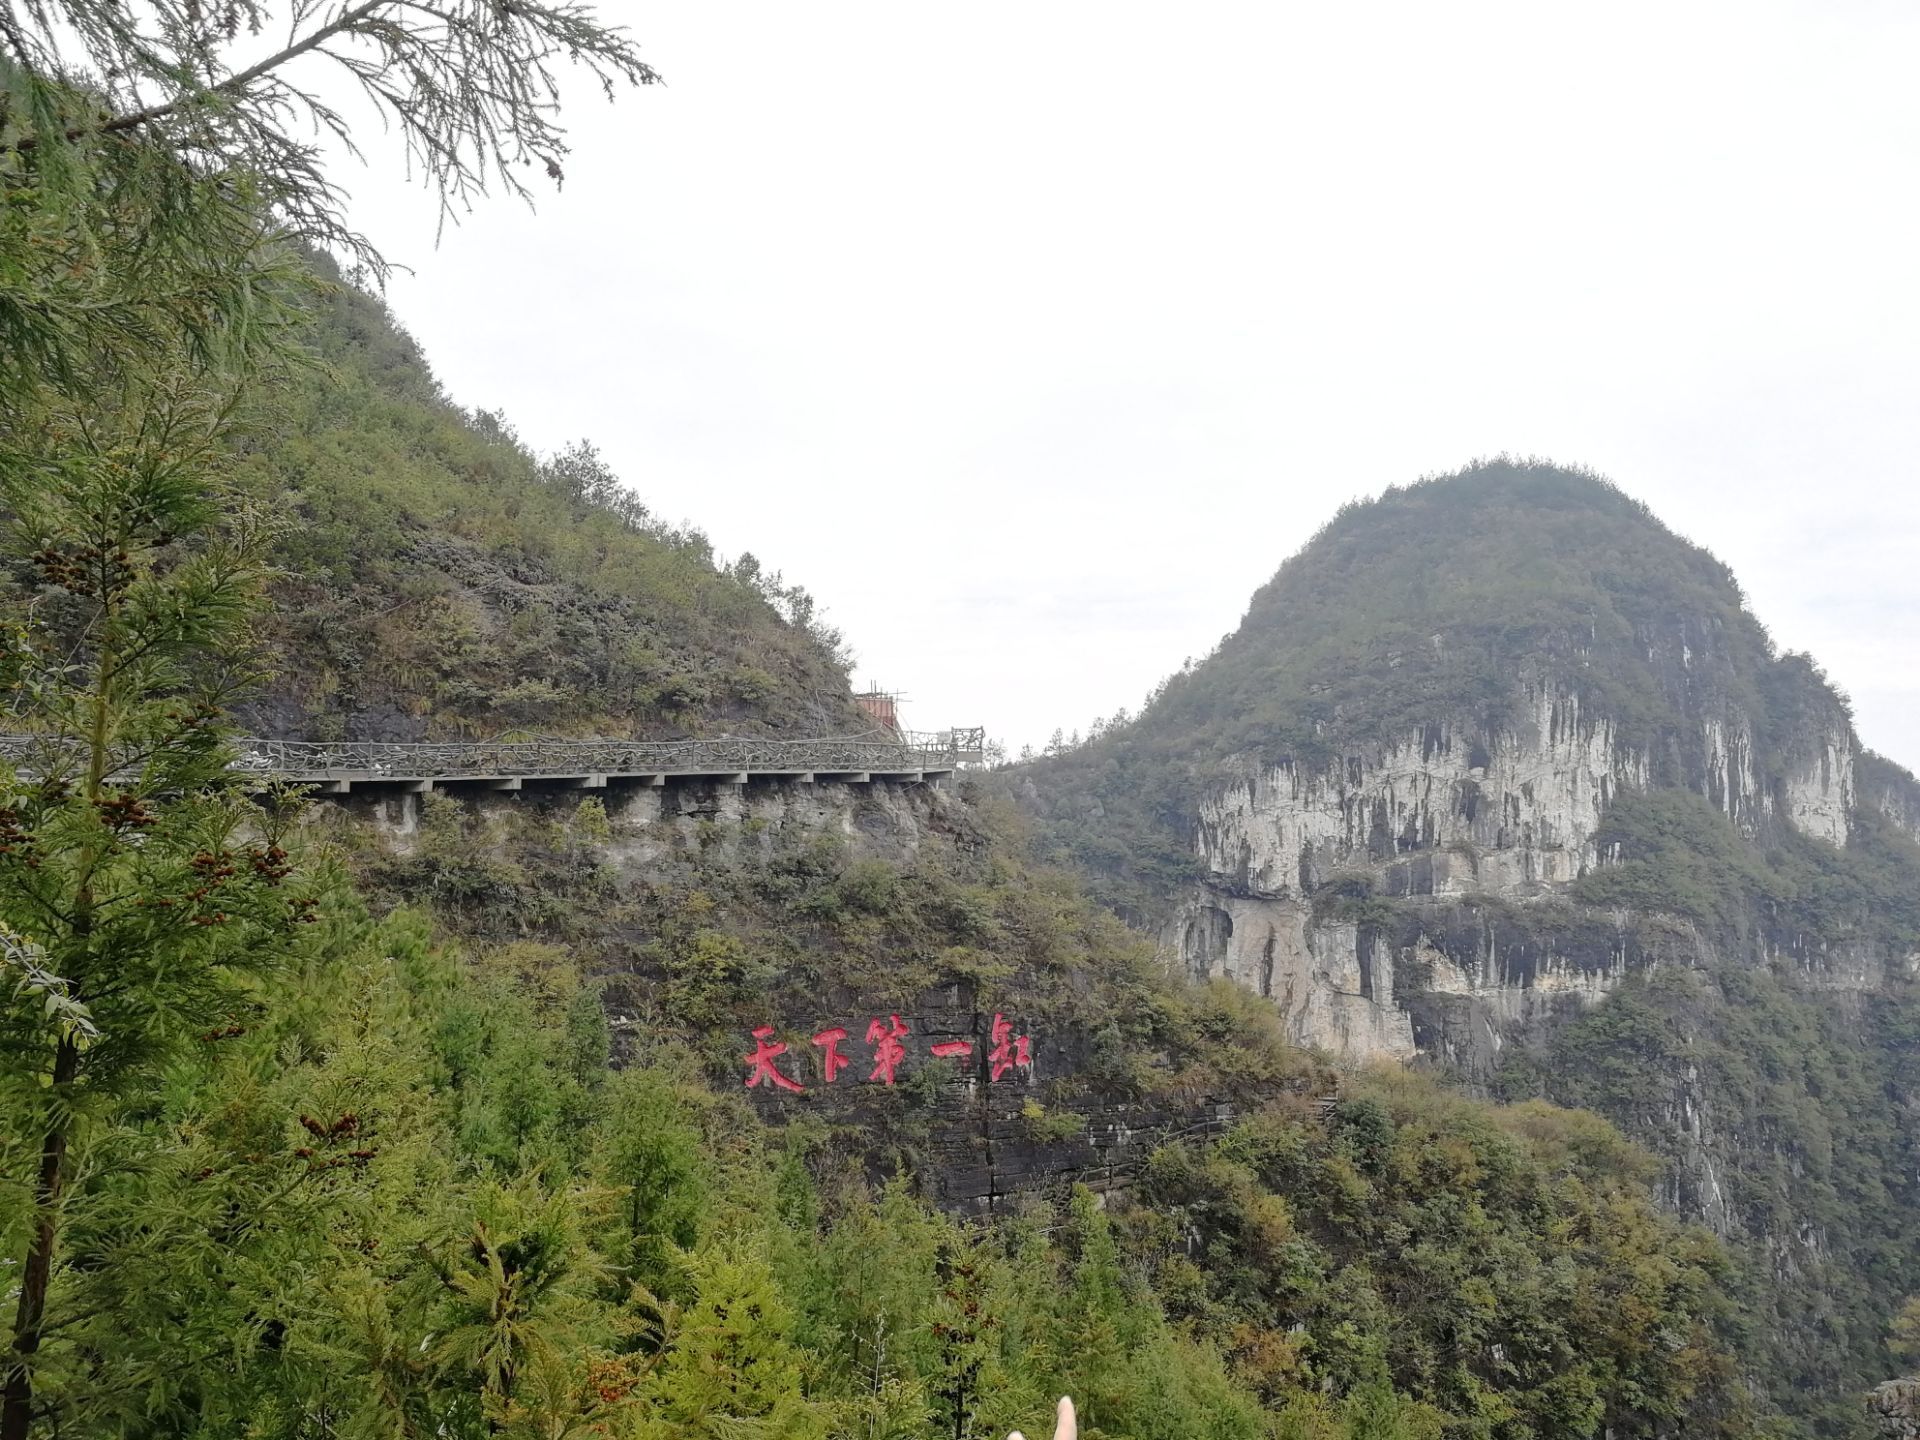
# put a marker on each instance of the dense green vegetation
(1782, 1092)
(1791, 1112)
(1500, 1264)
(398, 1191)
(1673, 853)
(439, 581)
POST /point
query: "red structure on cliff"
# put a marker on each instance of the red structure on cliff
(882, 707)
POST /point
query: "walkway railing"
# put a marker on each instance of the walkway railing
(375, 760)
(550, 757)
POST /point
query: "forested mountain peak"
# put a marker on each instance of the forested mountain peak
(1511, 598)
(1499, 776)
(1426, 602)
(1503, 905)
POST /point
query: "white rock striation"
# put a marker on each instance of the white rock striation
(1455, 812)
(1520, 810)
(1819, 794)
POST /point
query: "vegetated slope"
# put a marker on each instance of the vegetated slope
(1394, 1261)
(401, 1190)
(440, 581)
(1423, 603)
(1498, 745)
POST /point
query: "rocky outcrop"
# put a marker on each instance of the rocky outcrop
(1891, 790)
(1463, 813)
(1332, 982)
(1894, 1408)
(1509, 811)
(1817, 794)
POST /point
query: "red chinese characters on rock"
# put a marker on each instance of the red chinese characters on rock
(888, 1052)
(886, 1037)
(1009, 1051)
(765, 1051)
(831, 1060)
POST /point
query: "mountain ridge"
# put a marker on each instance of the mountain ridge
(438, 580)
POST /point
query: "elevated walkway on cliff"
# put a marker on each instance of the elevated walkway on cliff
(338, 768)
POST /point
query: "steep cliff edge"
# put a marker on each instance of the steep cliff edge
(1500, 775)
(1519, 809)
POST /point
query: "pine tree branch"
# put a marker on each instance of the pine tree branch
(234, 84)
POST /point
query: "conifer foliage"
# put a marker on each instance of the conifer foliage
(150, 190)
(130, 879)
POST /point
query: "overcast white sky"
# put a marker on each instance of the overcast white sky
(1033, 336)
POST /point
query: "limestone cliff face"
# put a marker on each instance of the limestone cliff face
(1891, 791)
(1334, 986)
(1506, 812)
(1463, 813)
(1818, 794)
